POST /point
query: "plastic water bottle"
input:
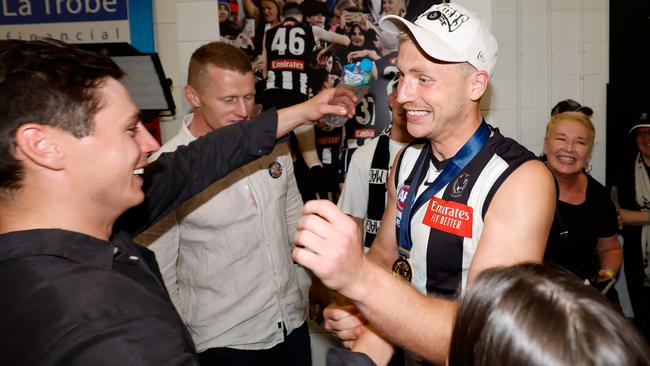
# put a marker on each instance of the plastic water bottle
(356, 77)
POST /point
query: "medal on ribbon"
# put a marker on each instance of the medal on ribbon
(402, 268)
(413, 202)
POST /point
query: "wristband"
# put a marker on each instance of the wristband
(648, 216)
(609, 273)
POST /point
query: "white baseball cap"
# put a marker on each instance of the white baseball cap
(449, 32)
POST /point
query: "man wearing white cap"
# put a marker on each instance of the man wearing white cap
(462, 200)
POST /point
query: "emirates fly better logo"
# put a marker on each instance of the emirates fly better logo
(449, 216)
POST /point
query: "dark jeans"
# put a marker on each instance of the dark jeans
(294, 351)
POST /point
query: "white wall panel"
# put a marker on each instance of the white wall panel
(533, 92)
(164, 11)
(532, 5)
(507, 62)
(506, 120)
(565, 26)
(167, 39)
(557, 5)
(593, 29)
(534, 27)
(503, 93)
(503, 28)
(533, 124)
(503, 5)
(595, 4)
(197, 21)
(594, 58)
(594, 93)
(565, 86)
(533, 59)
(566, 58)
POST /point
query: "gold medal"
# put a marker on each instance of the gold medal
(402, 268)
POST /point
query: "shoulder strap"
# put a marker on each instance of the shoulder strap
(377, 188)
(398, 165)
(409, 179)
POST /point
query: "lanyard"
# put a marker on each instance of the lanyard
(457, 163)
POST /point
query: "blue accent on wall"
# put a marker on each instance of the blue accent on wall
(141, 25)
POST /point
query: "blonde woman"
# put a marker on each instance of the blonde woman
(583, 238)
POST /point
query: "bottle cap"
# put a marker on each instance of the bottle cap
(366, 65)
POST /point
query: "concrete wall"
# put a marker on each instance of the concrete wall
(180, 27)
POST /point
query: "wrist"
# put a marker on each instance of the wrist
(287, 120)
(359, 286)
(608, 273)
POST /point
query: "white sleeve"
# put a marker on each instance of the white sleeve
(294, 200)
(354, 197)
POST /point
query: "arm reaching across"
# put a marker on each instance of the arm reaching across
(337, 101)
(331, 37)
(220, 152)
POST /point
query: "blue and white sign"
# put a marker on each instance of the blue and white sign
(79, 21)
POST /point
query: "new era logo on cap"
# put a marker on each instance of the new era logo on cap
(449, 32)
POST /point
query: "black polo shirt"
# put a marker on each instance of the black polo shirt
(71, 299)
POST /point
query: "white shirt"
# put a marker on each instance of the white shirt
(225, 254)
(354, 197)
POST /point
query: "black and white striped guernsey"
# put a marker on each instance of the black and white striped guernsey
(289, 48)
(442, 253)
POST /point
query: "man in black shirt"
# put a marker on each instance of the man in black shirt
(76, 289)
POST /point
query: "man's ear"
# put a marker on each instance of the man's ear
(479, 83)
(38, 144)
(192, 96)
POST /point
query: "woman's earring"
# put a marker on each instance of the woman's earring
(588, 167)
